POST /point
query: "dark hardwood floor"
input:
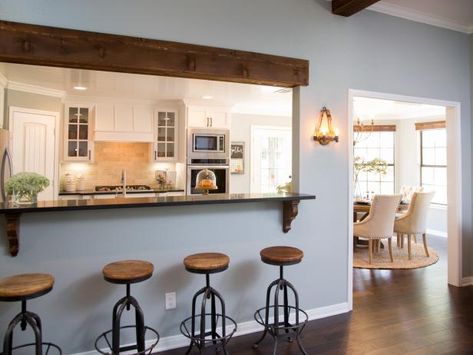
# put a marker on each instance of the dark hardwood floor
(394, 312)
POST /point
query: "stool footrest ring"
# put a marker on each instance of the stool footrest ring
(209, 336)
(303, 318)
(48, 346)
(107, 349)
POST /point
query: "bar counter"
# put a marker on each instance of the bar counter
(12, 212)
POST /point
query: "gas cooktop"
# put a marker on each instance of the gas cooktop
(119, 188)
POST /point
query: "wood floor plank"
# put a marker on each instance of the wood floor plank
(405, 312)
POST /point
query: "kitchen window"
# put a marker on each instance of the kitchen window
(433, 162)
(376, 145)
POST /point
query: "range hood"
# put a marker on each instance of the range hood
(114, 136)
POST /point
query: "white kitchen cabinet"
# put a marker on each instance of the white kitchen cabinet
(208, 117)
(78, 133)
(166, 138)
(123, 122)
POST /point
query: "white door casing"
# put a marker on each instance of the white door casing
(34, 145)
(454, 177)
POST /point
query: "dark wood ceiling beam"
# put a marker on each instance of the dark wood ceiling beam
(350, 7)
(50, 46)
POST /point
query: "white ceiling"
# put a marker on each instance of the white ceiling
(243, 98)
(456, 15)
(382, 110)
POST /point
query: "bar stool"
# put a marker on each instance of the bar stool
(22, 288)
(291, 323)
(207, 263)
(127, 272)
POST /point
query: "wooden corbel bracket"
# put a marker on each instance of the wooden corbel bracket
(12, 229)
(290, 210)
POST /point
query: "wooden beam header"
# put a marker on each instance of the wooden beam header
(422, 126)
(51, 46)
(350, 7)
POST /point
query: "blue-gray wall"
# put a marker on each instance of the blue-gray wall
(369, 51)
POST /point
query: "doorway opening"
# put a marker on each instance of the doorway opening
(405, 143)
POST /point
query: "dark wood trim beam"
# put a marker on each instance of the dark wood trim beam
(375, 128)
(350, 7)
(50, 46)
(12, 232)
(423, 126)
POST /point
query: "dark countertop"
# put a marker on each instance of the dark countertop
(93, 192)
(122, 202)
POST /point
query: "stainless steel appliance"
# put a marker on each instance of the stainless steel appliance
(6, 167)
(208, 146)
(222, 174)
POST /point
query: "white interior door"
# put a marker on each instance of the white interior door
(33, 145)
(271, 158)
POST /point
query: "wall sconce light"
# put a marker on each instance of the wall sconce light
(325, 132)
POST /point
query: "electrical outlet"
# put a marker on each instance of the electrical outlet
(170, 300)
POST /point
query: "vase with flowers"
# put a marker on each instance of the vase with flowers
(376, 165)
(24, 187)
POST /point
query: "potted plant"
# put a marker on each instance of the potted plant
(24, 187)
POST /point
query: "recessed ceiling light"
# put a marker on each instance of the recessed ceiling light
(80, 88)
(207, 97)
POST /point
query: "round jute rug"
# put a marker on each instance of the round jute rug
(401, 261)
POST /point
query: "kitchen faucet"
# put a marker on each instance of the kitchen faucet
(123, 182)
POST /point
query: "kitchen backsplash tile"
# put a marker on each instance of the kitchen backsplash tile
(110, 159)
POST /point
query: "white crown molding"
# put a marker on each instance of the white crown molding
(179, 341)
(417, 16)
(34, 89)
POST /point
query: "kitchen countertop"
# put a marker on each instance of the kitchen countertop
(93, 192)
(12, 212)
(122, 202)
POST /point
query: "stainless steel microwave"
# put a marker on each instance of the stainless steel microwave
(208, 144)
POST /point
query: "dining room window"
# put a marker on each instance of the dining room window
(433, 160)
(376, 144)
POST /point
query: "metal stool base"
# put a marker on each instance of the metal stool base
(282, 329)
(210, 338)
(204, 336)
(25, 319)
(47, 345)
(281, 311)
(105, 336)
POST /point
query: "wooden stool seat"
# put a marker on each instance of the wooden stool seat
(128, 271)
(206, 263)
(25, 286)
(281, 255)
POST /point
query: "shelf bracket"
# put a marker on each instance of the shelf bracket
(12, 229)
(290, 210)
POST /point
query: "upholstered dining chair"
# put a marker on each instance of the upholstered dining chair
(380, 222)
(413, 222)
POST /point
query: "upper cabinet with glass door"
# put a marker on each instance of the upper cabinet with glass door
(166, 138)
(78, 142)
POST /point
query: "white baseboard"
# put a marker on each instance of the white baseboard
(178, 341)
(437, 233)
(467, 281)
